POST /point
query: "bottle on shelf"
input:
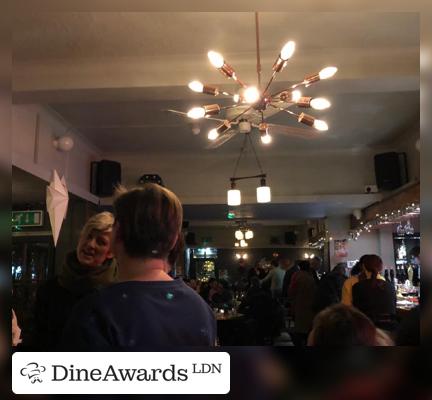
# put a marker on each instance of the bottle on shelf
(386, 275)
(392, 276)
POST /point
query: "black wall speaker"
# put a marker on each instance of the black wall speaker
(290, 238)
(190, 239)
(391, 170)
(105, 176)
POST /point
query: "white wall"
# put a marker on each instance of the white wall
(33, 130)
(198, 178)
(378, 242)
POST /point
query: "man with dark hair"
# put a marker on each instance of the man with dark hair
(330, 287)
(147, 307)
(316, 265)
(291, 268)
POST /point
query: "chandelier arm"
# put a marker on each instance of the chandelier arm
(238, 116)
(284, 109)
(228, 107)
(240, 82)
(270, 82)
(303, 83)
(258, 49)
(225, 93)
(256, 157)
(255, 154)
(241, 153)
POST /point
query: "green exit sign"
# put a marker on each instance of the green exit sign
(27, 218)
(231, 215)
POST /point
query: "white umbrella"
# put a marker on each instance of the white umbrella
(57, 203)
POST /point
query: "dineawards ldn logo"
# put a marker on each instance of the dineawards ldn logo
(33, 371)
(121, 373)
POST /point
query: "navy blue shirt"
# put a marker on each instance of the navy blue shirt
(135, 315)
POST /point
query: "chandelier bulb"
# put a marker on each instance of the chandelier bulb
(287, 50)
(266, 138)
(216, 59)
(196, 86)
(320, 125)
(320, 103)
(213, 134)
(296, 95)
(327, 72)
(196, 113)
(251, 95)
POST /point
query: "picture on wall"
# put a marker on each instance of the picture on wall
(340, 248)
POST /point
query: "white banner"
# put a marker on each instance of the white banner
(121, 373)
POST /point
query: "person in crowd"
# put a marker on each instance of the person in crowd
(291, 268)
(301, 294)
(330, 287)
(316, 268)
(203, 290)
(415, 263)
(256, 271)
(345, 326)
(89, 268)
(276, 277)
(357, 268)
(147, 308)
(259, 306)
(213, 286)
(375, 297)
(240, 276)
(223, 296)
(16, 331)
(351, 281)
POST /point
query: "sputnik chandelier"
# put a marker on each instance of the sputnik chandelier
(253, 104)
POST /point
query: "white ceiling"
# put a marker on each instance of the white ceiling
(110, 75)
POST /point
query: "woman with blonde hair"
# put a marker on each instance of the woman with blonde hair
(89, 268)
(147, 307)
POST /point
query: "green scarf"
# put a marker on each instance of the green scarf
(81, 280)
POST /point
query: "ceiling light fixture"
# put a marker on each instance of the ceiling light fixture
(243, 233)
(263, 191)
(253, 101)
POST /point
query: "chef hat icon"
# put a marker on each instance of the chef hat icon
(33, 371)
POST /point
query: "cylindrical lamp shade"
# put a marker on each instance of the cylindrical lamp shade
(239, 235)
(249, 234)
(263, 194)
(234, 197)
